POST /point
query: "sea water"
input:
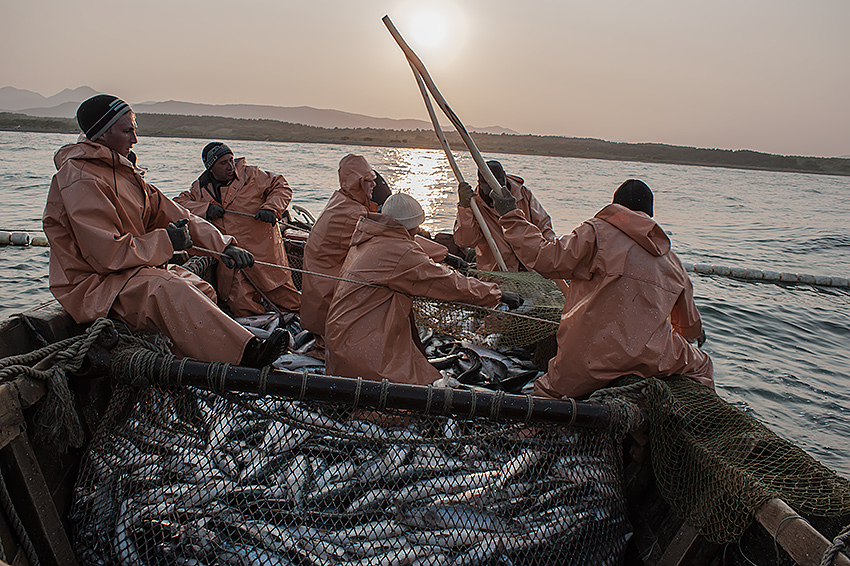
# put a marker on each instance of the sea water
(780, 351)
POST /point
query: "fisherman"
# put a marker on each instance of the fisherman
(435, 250)
(630, 309)
(111, 234)
(467, 232)
(246, 202)
(370, 331)
(327, 244)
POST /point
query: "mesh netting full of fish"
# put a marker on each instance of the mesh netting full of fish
(535, 320)
(193, 477)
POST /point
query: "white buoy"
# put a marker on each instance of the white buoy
(19, 239)
(759, 275)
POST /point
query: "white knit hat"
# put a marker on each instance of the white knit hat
(405, 209)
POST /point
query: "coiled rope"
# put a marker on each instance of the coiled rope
(56, 419)
(839, 543)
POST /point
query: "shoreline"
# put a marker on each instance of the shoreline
(207, 127)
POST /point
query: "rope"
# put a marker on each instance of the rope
(760, 275)
(776, 532)
(17, 526)
(56, 418)
(839, 543)
(385, 288)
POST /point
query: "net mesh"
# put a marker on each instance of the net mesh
(534, 321)
(716, 465)
(193, 477)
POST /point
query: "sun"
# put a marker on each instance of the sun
(429, 29)
(435, 29)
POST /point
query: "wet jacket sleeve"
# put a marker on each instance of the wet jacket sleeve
(96, 226)
(566, 257)
(415, 274)
(276, 192)
(436, 251)
(539, 216)
(191, 200)
(685, 316)
(204, 234)
(467, 233)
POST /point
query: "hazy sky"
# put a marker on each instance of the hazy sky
(767, 75)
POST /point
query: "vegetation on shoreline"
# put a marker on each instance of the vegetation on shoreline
(210, 127)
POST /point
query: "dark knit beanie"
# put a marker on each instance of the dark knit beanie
(98, 113)
(213, 152)
(382, 190)
(498, 172)
(634, 195)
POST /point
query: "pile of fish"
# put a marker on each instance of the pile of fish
(462, 363)
(192, 478)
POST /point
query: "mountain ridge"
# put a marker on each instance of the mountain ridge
(64, 105)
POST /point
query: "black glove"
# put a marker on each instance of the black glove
(464, 194)
(503, 205)
(456, 262)
(701, 339)
(237, 257)
(214, 211)
(266, 215)
(178, 233)
(513, 300)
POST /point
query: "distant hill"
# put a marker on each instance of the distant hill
(18, 100)
(211, 127)
(64, 105)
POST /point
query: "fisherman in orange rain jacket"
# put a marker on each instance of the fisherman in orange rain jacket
(224, 190)
(330, 237)
(111, 234)
(630, 308)
(467, 232)
(370, 331)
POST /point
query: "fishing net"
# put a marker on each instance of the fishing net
(179, 475)
(534, 321)
(716, 465)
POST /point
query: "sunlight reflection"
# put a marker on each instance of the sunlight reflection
(425, 175)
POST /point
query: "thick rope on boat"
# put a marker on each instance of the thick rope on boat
(839, 543)
(56, 417)
(764, 275)
(17, 526)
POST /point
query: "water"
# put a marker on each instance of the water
(780, 351)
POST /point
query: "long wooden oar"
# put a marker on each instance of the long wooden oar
(476, 212)
(416, 63)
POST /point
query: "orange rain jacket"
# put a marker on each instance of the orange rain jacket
(370, 330)
(109, 246)
(435, 250)
(251, 190)
(327, 244)
(467, 232)
(630, 308)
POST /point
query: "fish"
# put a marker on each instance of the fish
(441, 517)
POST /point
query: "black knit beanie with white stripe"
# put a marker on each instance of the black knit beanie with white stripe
(98, 113)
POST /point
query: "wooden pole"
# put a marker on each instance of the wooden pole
(805, 544)
(417, 64)
(476, 212)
